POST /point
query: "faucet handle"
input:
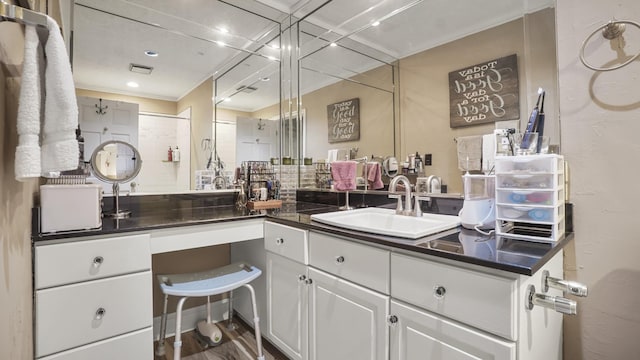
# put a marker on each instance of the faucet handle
(399, 205)
(417, 207)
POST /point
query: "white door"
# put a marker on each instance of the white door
(347, 321)
(287, 305)
(419, 334)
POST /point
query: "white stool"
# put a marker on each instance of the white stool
(206, 283)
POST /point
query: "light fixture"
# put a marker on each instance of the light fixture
(151, 53)
(375, 23)
(333, 44)
(132, 84)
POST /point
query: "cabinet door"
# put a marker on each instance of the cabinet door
(418, 334)
(287, 304)
(347, 321)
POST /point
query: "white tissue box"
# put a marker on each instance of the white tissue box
(70, 207)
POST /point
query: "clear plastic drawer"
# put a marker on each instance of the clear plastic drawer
(540, 214)
(530, 197)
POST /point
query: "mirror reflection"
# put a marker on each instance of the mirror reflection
(266, 83)
(116, 162)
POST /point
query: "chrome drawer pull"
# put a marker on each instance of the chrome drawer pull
(279, 241)
(557, 303)
(340, 259)
(439, 291)
(97, 261)
(572, 287)
(100, 313)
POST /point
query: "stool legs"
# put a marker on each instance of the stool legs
(163, 328)
(256, 321)
(177, 344)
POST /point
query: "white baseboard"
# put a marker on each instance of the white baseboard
(191, 316)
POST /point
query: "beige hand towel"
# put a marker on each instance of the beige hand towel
(469, 153)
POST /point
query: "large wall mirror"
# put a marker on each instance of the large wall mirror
(266, 83)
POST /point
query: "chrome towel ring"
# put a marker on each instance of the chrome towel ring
(611, 30)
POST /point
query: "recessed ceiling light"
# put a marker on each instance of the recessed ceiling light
(151, 53)
(375, 23)
(333, 44)
(132, 84)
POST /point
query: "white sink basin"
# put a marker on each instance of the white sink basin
(387, 222)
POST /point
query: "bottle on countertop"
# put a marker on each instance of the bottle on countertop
(170, 154)
(419, 166)
(176, 154)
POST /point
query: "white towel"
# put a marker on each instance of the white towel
(488, 152)
(27, 163)
(469, 153)
(59, 145)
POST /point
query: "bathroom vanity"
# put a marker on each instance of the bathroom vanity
(335, 297)
(326, 293)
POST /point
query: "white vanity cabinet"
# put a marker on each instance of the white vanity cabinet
(287, 289)
(92, 299)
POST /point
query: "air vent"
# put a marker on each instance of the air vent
(140, 69)
(247, 89)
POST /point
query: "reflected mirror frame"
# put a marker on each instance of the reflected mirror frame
(136, 168)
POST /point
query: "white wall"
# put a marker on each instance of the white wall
(600, 115)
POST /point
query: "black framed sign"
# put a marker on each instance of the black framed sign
(344, 120)
(484, 93)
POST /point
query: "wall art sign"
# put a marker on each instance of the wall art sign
(484, 93)
(344, 121)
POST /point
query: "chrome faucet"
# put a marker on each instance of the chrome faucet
(406, 210)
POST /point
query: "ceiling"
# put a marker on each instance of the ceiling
(192, 46)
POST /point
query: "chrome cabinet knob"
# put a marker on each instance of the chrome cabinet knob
(392, 320)
(97, 261)
(279, 241)
(100, 313)
(308, 281)
(340, 259)
(439, 291)
(302, 278)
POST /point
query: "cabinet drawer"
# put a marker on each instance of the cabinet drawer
(133, 346)
(68, 316)
(286, 241)
(481, 300)
(362, 264)
(71, 262)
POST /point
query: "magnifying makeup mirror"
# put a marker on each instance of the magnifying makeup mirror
(116, 162)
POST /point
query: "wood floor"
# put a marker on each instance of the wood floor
(242, 335)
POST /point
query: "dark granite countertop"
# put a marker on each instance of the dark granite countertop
(467, 246)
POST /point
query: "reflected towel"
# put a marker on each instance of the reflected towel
(469, 153)
(344, 175)
(60, 149)
(374, 175)
(27, 163)
(488, 152)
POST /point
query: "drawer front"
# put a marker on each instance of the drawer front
(69, 316)
(286, 241)
(131, 346)
(71, 262)
(481, 300)
(362, 264)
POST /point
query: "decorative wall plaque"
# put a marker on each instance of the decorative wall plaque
(344, 121)
(484, 93)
